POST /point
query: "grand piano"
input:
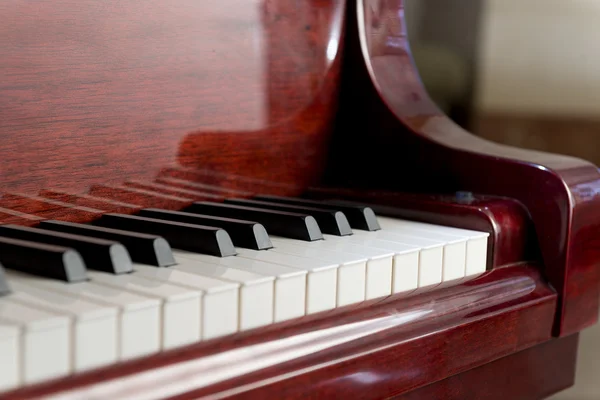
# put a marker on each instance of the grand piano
(258, 200)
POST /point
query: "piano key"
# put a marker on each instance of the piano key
(44, 338)
(256, 291)
(94, 326)
(330, 221)
(359, 278)
(359, 217)
(180, 307)
(477, 242)
(321, 280)
(405, 264)
(290, 283)
(99, 254)
(287, 224)
(247, 234)
(198, 238)
(220, 311)
(10, 355)
(41, 259)
(139, 327)
(352, 272)
(454, 249)
(430, 256)
(4, 287)
(143, 248)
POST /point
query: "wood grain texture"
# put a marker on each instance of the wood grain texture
(242, 98)
(47, 208)
(376, 349)
(102, 93)
(86, 200)
(146, 198)
(413, 147)
(175, 191)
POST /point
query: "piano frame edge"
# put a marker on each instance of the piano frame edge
(413, 146)
(452, 330)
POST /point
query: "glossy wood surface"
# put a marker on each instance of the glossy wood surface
(379, 348)
(106, 92)
(411, 146)
(113, 106)
(535, 373)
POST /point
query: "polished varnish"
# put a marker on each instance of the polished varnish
(115, 106)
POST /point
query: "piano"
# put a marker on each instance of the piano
(258, 199)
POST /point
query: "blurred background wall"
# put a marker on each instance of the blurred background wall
(519, 72)
(524, 73)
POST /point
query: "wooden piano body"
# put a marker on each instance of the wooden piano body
(99, 101)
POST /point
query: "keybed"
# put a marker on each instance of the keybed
(122, 286)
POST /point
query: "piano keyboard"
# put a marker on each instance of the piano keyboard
(84, 296)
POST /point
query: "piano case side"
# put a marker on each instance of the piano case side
(390, 136)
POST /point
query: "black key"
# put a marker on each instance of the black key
(143, 248)
(360, 217)
(190, 237)
(330, 221)
(98, 254)
(46, 260)
(291, 225)
(4, 288)
(247, 234)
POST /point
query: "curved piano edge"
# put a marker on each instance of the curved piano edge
(512, 236)
(412, 139)
(380, 348)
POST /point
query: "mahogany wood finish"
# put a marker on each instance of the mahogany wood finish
(231, 98)
(184, 184)
(8, 216)
(375, 350)
(175, 191)
(48, 209)
(86, 200)
(534, 373)
(411, 146)
(142, 197)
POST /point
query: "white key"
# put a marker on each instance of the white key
(430, 255)
(139, 316)
(180, 314)
(405, 264)
(10, 350)
(453, 249)
(94, 326)
(219, 303)
(256, 291)
(321, 287)
(379, 267)
(290, 283)
(352, 270)
(45, 340)
(477, 242)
